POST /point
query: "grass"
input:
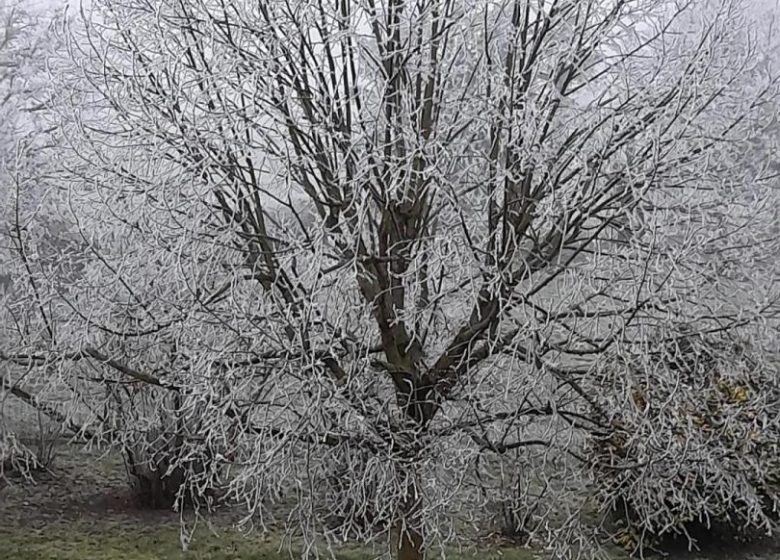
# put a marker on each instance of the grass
(106, 541)
(61, 517)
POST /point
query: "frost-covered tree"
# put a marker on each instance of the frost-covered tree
(21, 77)
(362, 251)
(24, 136)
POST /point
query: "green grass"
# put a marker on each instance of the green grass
(106, 541)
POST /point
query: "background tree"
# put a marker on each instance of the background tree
(25, 136)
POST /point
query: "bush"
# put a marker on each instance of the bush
(517, 496)
(155, 477)
(16, 459)
(692, 446)
(166, 471)
(169, 458)
(47, 439)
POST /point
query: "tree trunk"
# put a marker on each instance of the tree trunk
(410, 545)
(409, 535)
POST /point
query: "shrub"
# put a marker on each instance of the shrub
(169, 461)
(15, 458)
(167, 470)
(155, 477)
(517, 496)
(692, 446)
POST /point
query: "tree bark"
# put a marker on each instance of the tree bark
(409, 535)
(410, 545)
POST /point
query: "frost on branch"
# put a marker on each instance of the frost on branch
(692, 451)
(383, 253)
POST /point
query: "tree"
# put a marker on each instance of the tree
(19, 46)
(400, 236)
(24, 42)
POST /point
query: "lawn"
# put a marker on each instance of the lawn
(81, 511)
(120, 541)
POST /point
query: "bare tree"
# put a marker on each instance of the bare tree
(405, 238)
(24, 44)
(19, 45)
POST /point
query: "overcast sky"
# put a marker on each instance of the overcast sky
(765, 12)
(758, 6)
